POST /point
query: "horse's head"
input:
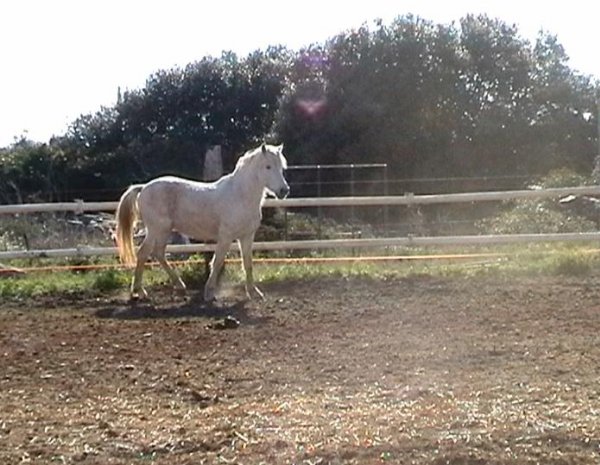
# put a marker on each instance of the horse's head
(272, 163)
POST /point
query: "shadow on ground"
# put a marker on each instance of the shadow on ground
(189, 307)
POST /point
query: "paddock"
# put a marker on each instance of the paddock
(417, 370)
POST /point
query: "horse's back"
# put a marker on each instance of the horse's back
(171, 189)
(177, 203)
(177, 183)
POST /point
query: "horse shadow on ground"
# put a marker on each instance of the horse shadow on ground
(183, 308)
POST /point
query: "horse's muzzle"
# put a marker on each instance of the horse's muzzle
(283, 192)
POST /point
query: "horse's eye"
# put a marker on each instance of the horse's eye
(268, 167)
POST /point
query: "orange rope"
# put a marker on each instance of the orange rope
(283, 261)
(275, 261)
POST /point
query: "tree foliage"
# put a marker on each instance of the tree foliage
(167, 126)
(30, 171)
(438, 101)
(431, 100)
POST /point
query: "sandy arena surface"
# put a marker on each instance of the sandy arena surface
(359, 371)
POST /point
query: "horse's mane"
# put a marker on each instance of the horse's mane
(251, 155)
(247, 158)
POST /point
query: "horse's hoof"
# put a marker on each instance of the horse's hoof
(136, 296)
(180, 291)
(228, 322)
(256, 291)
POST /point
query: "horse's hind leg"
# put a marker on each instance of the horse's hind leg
(143, 254)
(159, 254)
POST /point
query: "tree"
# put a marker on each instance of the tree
(439, 100)
(563, 111)
(167, 126)
(431, 100)
(30, 171)
(494, 93)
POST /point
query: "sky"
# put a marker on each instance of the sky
(60, 59)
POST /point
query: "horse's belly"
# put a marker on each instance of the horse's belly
(206, 229)
(208, 218)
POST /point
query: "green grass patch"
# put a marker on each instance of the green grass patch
(109, 280)
(101, 282)
(501, 261)
(34, 284)
(576, 264)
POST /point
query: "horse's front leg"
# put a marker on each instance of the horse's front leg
(245, 244)
(215, 267)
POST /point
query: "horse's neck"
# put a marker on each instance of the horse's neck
(246, 184)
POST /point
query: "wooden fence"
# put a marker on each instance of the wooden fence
(407, 199)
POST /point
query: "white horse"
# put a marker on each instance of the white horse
(223, 211)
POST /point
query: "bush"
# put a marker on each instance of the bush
(541, 216)
(109, 280)
(563, 177)
(533, 217)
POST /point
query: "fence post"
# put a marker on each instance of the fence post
(352, 213)
(285, 224)
(386, 211)
(319, 209)
(213, 163)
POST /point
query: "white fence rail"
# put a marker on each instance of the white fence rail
(407, 199)
(324, 244)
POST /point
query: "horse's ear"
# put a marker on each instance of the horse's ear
(263, 148)
(280, 148)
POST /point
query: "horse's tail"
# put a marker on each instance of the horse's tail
(127, 214)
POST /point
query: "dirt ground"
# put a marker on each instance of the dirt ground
(404, 371)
